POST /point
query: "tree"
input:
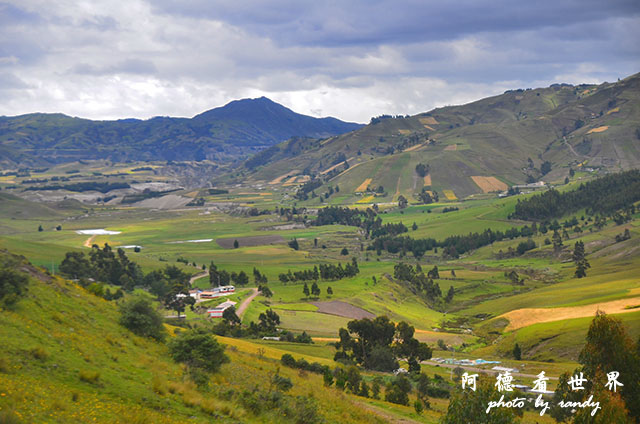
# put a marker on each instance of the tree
(236, 244)
(402, 202)
(294, 244)
(76, 265)
(230, 316)
(609, 348)
(177, 299)
(422, 169)
(344, 251)
(139, 316)
(305, 290)
(268, 320)
(13, 284)
(315, 290)
(580, 260)
(266, 291)
(517, 353)
(557, 241)
(40, 229)
(377, 343)
(198, 350)
(450, 294)
(398, 390)
(329, 291)
(545, 168)
(353, 380)
(409, 348)
(414, 226)
(422, 389)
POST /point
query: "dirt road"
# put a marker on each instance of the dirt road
(195, 277)
(245, 303)
(89, 242)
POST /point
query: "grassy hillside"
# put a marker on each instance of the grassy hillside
(66, 359)
(508, 137)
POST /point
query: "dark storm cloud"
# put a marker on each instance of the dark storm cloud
(335, 23)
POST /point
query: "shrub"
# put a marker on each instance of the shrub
(39, 353)
(198, 349)
(13, 284)
(90, 377)
(139, 316)
(288, 360)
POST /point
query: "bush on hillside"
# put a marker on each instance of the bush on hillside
(139, 316)
(13, 284)
(199, 350)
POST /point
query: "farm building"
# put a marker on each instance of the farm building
(216, 292)
(219, 310)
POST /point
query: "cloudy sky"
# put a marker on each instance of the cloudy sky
(106, 59)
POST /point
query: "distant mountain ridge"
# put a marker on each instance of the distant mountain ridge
(226, 133)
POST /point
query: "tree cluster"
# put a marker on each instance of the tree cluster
(378, 344)
(323, 272)
(421, 284)
(103, 265)
(604, 195)
(452, 246)
(422, 169)
(221, 277)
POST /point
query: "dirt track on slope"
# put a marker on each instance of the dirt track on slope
(89, 242)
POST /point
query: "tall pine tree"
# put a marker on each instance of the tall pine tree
(580, 260)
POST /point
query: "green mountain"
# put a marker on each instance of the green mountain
(508, 137)
(226, 133)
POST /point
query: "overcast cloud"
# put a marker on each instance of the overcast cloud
(112, 59)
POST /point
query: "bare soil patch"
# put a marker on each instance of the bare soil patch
(364, 185)
(427, 180)
(227, 243)
(489, 184)
(529, 316)
(326, 171)
(428, 120)
(282, 177)
(170, 201)
(449, 194)
(342, 309)
(598, 129)
(451, 147)
(412, 148)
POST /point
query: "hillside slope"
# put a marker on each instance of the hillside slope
(508, 137)
(226, 132)
(65, 358)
